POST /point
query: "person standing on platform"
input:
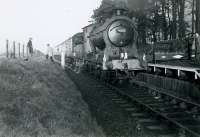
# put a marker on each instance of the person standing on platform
(49, 54)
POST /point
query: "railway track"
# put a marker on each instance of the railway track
(177, 114)
(158, 112)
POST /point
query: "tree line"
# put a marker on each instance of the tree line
(156, 20)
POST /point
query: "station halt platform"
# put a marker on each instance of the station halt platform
(178, 69)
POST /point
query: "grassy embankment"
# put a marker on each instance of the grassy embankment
(37, 99)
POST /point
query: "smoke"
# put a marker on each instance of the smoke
(135, 4)
(130, 4)
(138, 4)
(121, 3)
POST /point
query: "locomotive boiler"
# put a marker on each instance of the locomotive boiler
(115, 41)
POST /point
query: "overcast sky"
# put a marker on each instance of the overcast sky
(46, 21)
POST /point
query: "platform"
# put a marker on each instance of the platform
(194, 70)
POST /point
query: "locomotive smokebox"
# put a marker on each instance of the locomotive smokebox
(120, 33)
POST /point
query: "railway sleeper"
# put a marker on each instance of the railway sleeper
(112, 95)
(147, 123)
(116, 99)
(182, 118)
(164, 108)
(178, 115)
(142, 96)
(168, 135)
(157, 105)
(163, 133)
(195, 128)
(189, 122)
(146, 99)
(159, 129)
(147, 120)
(170, 109)
(137, 115)
(119, 101)
(126, 105)
(131, 109)
(139, 92)
(149, 101)
(108, 91)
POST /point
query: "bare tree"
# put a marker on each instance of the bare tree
(193, 15)
(198, 16)
(164, 20)
(174, 19)
(181, 20)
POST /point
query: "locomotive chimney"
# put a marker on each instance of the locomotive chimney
(118, 12)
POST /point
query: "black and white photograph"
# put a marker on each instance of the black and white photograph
(99, 68)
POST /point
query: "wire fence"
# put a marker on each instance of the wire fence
(16, 50)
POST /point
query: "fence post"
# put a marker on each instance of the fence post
(19, 49)
(7, 53)
(27, 51)
(63, 59)
(23, 50)
(13, 49)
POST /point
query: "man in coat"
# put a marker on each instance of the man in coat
(30, 47)
(49, 53)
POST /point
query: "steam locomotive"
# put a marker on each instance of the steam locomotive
(109, 48)
(116, 38)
